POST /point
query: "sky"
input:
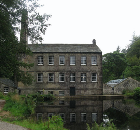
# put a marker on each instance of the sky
(111, 22)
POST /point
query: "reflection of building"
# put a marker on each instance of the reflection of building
(75, 113)
(65, 69)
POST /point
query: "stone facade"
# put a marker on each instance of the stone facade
(127, 84)
(88, 87)
(6, 85)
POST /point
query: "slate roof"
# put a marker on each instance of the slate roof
(64, 48)
(7, 82)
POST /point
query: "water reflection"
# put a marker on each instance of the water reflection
(76, 113)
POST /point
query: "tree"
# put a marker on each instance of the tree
(113, 66)
(11, 50)
(133, 59)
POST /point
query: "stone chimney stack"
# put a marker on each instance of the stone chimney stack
(94, 41)
(24, 27)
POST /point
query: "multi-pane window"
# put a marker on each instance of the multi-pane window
(61, 77)
(40, 77)
(50, 115)
(72, 60)
(83, 77)
(72, 77)
(83, 117)
(94, 117)
(39, 116)
(51, 77)
(83, 60)
(61, 60)
(51, 60)
(62, 116)
(61, 93)
(93, 60)
(61, 102)
(94, 77)
(6, 89)
(40, 60)
(72, 117)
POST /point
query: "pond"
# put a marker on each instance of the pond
(76, 113)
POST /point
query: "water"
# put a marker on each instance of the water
(76, 113)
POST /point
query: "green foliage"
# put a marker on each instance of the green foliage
(11, 50)
(95, 126)
(128, 93)
(113, 65)
(19, 107)
(137, 93)
(1, 95)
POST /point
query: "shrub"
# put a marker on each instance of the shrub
(1, 95)
(137, 93)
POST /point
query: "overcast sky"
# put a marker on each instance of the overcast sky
(111, 22)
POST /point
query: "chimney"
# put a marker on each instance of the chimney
(24, 27)
(94, 41)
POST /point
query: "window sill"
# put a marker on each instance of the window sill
(94, 81)
(62, 64)
(72, 64)
(61, 81)
(51, 64)
(40, 64)
(72, 81)
(83, 64)
(83, 81)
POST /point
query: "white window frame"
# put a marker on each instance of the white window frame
(61, 93)
(40, 60)
(83, 77)
(82, 117)
(61, 75)
(63, 60)
(41, 77)
(71, 117)
(93, 60)
(72, 60)
(51, 76)
(72, 75)
(51, 60)
(83, 60)
(62, 115)
(94, 75)
(39, 116)
(94, 117)
(6, 89)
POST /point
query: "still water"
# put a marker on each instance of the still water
(76, 113)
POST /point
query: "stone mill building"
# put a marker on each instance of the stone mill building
(65, 69)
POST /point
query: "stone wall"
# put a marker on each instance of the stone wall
(128, 84)
(2, 86)
(81, 88)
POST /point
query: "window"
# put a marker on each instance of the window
(83, 117)
(83, 60)
(61, 93)
(51, 77)
(40, 60)
(39, 116)
(94, 77)
(62, 115)
(61, 102)
(72, 77)
(83, 77)
(72, 117)
(94, 117)
(51, 60)
(61, 60)
(72, 60)
(6, 89)
(40, 77)
(50, 115)
(50, 92)
(93, 60)
(61, 77)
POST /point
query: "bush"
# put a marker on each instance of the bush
(137, 93)
(1, 95)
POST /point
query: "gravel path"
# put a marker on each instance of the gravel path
(8, 126)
